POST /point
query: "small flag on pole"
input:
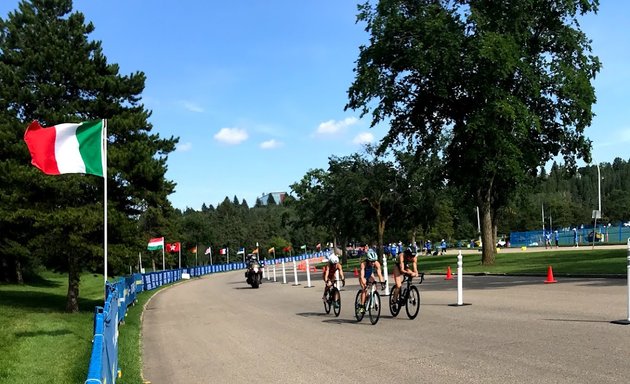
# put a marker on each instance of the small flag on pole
(173, 247)
(241, 251)
(271, 250)
(222, 251)
(303, 247)
(193, 249)
(155, 244)
(208, 250)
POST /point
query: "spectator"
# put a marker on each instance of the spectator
(556, 237)
(428, 247)
(575, 237)
(442, 247)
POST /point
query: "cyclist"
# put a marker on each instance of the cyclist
(369, 266)
(330, 269)
(406, 264)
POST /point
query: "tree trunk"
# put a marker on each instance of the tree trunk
(72, 300)
(19, 277)
(488, 248)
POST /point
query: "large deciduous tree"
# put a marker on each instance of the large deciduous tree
(51, 72)
(506, 84)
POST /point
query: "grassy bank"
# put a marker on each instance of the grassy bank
(569, 263)
(39, 342)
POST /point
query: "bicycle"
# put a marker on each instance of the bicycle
(333, 299)
(409, 297)
(372, 303)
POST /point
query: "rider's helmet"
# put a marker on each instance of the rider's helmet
(333, 259)
(408, 252)
(371, 255)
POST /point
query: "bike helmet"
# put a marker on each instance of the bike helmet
(333, 259)
(371, 255)
(408, 252)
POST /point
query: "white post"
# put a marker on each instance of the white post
(295, 274)
(104, 164)
(308, 275)
(460, 290)
(386, 275)
(268, 276)
(274, 272)
(284, 273)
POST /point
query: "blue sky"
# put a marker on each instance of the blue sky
(255, 90)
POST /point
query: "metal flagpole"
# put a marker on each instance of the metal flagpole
(163, 258)
(180, 255)
(140, 262)
(104, 159)
(196, 264)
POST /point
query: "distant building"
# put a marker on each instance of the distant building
(278, 197)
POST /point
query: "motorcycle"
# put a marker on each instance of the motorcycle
(254, 274)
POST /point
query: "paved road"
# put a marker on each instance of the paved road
(517, 330)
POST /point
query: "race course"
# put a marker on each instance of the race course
(516, 330)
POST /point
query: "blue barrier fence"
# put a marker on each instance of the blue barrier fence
(120, 294)
(568, 237)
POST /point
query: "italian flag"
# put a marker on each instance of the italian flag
(155, 244)
(68, 147)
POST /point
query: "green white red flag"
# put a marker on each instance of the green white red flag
(67, 147)
(155, 244)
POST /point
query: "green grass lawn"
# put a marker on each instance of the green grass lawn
(39, 342)
(567, 263)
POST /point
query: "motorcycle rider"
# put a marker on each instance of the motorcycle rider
(329, 273)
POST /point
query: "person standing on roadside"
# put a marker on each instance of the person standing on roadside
(556, 237)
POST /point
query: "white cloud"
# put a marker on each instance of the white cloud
(184, 147)
(192, 107)
(231, 135)
(363, 138)
(270, 144)
(331, 126)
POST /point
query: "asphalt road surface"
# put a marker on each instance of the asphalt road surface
(217, 329)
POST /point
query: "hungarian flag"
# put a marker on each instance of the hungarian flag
(303, 247)
(318, 246)
(287, 249)
(222, 251)
(155, 244)
(173, 247)
(67, 148)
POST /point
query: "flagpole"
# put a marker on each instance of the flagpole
(163, 258)
(180, 255)
(196, 264)
(104, 122)
(140, 262)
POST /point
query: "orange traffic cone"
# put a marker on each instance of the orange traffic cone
(550, 278)
(449, 276)
(356, 272)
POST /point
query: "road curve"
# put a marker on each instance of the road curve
(517, 330)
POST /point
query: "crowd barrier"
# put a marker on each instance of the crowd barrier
(120, 294)
(567, 237)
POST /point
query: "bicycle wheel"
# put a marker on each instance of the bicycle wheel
(375, 308)
(327, 302)
(413, 302)
(357, 303)
(336, 301)
(394, 305)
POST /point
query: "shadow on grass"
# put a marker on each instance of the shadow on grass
(42, 301)
(58, 332)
